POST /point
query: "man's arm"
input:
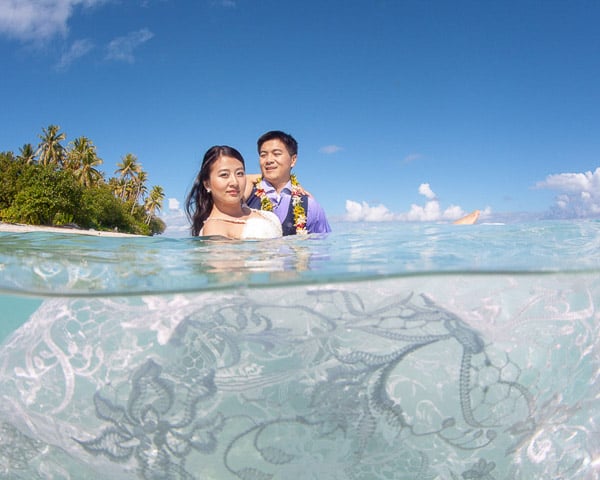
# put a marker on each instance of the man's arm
(316, 221)
(251, 179)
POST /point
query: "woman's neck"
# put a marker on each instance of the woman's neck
(233, 211)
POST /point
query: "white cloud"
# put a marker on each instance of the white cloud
(78, 49)
(330, 149)
(578, 193)
(38, 20)
(430, 212)
(178, 225)
(425, 189)
(573, 182)
(359, 212)
(122, 48)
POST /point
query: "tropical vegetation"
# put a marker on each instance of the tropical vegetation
(58, 185)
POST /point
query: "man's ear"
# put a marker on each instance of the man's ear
(294, 158)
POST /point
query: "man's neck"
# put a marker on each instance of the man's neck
(278, 186)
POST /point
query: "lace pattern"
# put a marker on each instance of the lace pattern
(300, 383)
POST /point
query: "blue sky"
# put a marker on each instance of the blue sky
(407, 110)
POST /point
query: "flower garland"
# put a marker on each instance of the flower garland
(299, 211)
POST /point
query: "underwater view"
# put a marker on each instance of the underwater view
(379, 351)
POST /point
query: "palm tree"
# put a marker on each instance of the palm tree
(129, 167)
(26, 154)
(82, 160)
(117, 186)
(154, 202)
(128, 171)
(79, 148)
(50, 150)
(87, 174)
(140, 185)
(138, 188)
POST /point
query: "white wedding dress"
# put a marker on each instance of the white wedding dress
(267, 226)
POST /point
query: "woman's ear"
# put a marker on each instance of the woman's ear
(207, 186)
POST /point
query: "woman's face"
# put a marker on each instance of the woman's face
(227, 181)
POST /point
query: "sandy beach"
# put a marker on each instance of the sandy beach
(21, 228)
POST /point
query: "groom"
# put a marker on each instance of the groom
(279, 191)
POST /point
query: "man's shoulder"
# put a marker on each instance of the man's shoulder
(313, 203)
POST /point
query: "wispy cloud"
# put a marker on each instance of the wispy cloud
(122, 48)
(431, 211)
(37, 21)
(330, 149)
(78, 49)
(578, 193)
(412, 157)
(225, 3)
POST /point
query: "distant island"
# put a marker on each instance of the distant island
(57, 186)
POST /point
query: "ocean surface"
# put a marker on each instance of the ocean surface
(379, 351)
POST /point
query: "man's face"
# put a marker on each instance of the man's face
(276, 163)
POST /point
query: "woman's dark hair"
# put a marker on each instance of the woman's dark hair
(290, 142)
(199, 202)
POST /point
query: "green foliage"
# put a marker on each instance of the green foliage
(157, 225)
(11, 169)
(62, 186)
(43, 193)
(61, 219)
(101, 210)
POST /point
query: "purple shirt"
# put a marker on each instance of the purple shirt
(316, 221)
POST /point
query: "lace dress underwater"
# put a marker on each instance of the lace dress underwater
(292, 382)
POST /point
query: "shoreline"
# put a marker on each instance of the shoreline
(23, 228)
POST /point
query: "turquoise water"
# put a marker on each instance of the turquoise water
(380, 351)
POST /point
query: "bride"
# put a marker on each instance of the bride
(215, 205)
